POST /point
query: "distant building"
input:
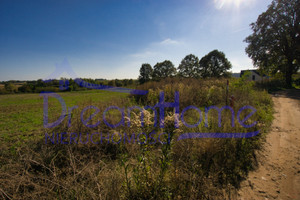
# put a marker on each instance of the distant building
(254, 75)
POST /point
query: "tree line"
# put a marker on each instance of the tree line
(214, 64)
(55, 85)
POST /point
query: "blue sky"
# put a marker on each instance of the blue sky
(111, 39)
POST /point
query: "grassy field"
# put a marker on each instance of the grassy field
(21, 115)
(201, 168)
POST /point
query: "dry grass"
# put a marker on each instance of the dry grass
(208, 168)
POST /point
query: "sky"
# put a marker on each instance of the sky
(113, 38)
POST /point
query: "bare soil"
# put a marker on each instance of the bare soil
(278, 173)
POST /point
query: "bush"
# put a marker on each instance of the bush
(10, 88)
(25, 88)
(46, 89)
(297, 82)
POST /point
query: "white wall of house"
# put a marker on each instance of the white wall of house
(253, 76)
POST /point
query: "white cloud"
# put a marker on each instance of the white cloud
(169, 41)
(144, 54)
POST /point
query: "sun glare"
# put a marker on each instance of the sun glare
(229, 3)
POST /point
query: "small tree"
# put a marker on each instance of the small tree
(40, 83)
(118, 83)
(111, 83)
(9, 87)
(214, 64)
(163, 70)
(130, 82)
(189, 67)
(145, 73)
(25, 88)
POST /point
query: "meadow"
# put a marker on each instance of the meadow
(199, 168)
(21, 115)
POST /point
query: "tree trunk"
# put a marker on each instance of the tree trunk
(289, 73)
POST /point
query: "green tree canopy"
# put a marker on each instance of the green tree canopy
(163, 70)
(274, 44)
(145, 73)
(189, 67)
(10, 87)
(214, 64)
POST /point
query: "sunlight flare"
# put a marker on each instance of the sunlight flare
(231, 3)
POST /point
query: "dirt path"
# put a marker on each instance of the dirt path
(278, 174)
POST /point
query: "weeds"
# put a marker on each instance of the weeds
(206, 168)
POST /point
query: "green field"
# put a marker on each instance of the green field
(21, 115)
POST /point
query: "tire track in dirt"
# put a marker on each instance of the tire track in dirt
(278, 173)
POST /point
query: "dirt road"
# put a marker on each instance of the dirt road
(278, 174)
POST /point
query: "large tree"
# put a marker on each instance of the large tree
(214, 64)
(145, 73)
(274, 44)
(189, 67)
(163, 70)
